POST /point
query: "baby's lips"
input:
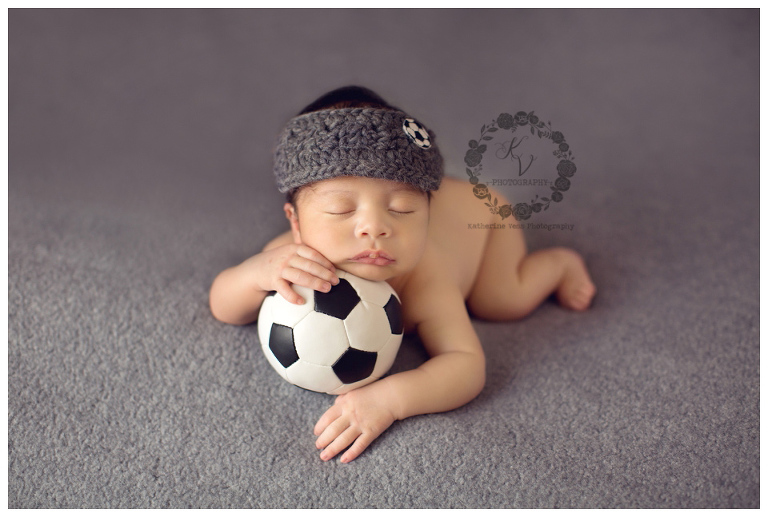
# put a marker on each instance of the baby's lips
(373, 254)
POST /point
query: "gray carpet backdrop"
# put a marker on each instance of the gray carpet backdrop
(139, 167)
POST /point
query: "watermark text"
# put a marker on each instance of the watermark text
(519, 182)
(521, 226)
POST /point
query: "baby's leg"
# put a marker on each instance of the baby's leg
(511, 283)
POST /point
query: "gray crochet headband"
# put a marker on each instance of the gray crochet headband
(369, 142)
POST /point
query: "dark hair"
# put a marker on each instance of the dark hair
(344, 97)
(348, 97)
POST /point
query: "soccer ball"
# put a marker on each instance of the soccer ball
(336, 341)
(417, 133)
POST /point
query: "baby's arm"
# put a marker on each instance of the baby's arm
(237, 292)
(454, 375)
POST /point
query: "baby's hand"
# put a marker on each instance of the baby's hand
(356, 418)
(296, 264)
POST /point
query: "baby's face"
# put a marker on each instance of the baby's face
(373, 228)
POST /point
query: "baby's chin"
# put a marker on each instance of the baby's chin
(369, 272)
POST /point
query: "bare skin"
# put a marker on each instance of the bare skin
(439, 268)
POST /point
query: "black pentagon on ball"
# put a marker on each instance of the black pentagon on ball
(281, 344)
(394, 315)
(354, 365)
(339, 301)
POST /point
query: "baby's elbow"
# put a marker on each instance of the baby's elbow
(225, 313)
(216, 306)
(217, 313)
(231, 317)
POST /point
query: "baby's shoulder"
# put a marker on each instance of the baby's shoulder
(280, 240)
(428, 288)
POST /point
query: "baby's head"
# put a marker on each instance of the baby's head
(359, 171)
(352, 131)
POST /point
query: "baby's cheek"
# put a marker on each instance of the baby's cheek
(333, 250)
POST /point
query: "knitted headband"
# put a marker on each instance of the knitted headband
(369, 142)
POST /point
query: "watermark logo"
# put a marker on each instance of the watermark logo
(519, 142)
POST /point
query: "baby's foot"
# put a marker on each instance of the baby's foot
(576, 290)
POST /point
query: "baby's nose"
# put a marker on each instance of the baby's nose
(373, 225)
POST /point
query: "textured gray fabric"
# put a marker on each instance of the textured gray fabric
(365, 142)
(140, 158)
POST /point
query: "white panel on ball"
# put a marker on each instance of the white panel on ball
(290, 314)
(320, 339)
(387, 355)
(373, 292)
(367, 327)
(312, 377)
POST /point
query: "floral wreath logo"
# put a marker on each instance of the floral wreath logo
(521, 120)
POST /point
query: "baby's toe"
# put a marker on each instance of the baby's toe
(583, 297)
(578, 298)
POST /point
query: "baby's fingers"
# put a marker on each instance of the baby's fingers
(340, 443)
(302, 278)
(314, 269)
(315, 256)
(284, 288)
(331, 432)
(329, 416)
(357, 448)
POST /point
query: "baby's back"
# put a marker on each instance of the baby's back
(456, 230)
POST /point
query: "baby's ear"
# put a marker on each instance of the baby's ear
(293, 217)
(290, 211)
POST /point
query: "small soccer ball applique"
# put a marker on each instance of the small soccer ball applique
(336, 341)
(416, 133)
